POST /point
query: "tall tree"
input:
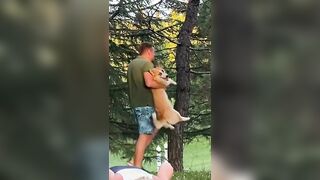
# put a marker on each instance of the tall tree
(183, 84)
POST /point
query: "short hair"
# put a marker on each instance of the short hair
(144, 46)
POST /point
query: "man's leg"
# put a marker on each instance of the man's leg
(142, 143)
(154, 133)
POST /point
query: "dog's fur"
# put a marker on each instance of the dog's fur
(165, 115)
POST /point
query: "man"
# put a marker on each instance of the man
(140, 81)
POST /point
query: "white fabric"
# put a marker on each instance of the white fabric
(134, 174)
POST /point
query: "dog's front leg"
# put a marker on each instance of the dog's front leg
(172, 81)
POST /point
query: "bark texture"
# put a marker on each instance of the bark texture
(175, 145)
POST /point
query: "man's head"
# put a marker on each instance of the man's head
(146, 50)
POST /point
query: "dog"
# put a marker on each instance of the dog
(165, 115)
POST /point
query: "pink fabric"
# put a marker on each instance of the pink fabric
(113, 176)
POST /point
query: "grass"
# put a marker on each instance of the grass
(196, 161)
(197, 155)
(192, 175)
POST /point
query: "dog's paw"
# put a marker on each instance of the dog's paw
(185, 118)
(168, 125)
(173, 82)
(171, 127)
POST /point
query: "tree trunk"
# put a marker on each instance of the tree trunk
(175, 145)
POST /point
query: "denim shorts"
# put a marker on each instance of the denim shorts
(143, 116)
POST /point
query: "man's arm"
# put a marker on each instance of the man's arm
(150, 83)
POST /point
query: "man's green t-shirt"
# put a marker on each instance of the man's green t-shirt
(139, 94)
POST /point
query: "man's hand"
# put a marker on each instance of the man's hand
(150, 83)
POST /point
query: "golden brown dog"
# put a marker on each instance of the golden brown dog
(165, 116)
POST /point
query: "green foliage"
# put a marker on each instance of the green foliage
(205, 18)
(284, 128)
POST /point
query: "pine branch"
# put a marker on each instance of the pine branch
(117, 12)
(199, 73)
(205, 131)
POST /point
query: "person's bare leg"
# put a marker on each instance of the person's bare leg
(154, 133)
(165, 171)
(142, 143)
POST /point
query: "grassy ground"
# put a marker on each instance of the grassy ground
(192, 175)
(196, 161)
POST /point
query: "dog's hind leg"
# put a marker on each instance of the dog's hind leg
(167, 125)
(181, 117)
(156, 123)
(184, 118)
